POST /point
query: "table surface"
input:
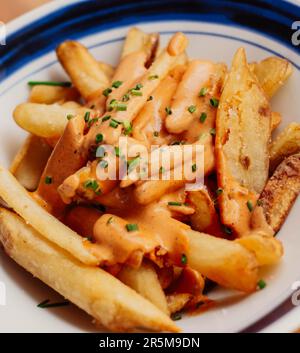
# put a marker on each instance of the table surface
(14, 8)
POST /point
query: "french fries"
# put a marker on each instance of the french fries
(242, 165)
(51, 228)
(83, 69)
(223, 261)
(281, 192)
(51, 94)
(30, 161)
(286, 144)
(112, 304)
(272, 73)
(43, 120)
(137, 278)
(276, 119)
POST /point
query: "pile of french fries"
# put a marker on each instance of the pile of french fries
(132, 253)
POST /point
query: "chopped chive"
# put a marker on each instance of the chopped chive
(91, 184)
(117, 84)
(168, 110)
(203, 92)
(259, 202)
(176, 316)
(125, 98)
(114, 124)
(107, 92)
(131, 227)
(103, 164)
(153, 77)
(150, 98)
(40, 305)
(212, 131)
(112, 104)
(261, 284)
(219, 191)
(48, 180)
(249, 205)
(194, 168)
(117, 151)
(100, 152)
(127, 127)
(46, 304)
(162, 170)
(92, 121)
(99, 138)
(87, 116)
(174, 203)
(192, 109)
(138, 86)
(184, 259)
(49, 83)
(121, 107)
(135, 92)
(105, 118)
(92, 106)
(203, 117)
(214, 102)
(133, 164)
(70, 116)
(175, 143)
(110, 219)
(156, 133)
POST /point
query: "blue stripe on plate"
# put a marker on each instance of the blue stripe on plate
(270, 18)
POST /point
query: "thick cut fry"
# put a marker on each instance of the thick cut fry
(286, 144)
(267, 250)
(205, 219)
(281, 192)
(83, 69)
(107, 69)
(223, 261)
(43, 120)
(144, 280)
(51, 94)
(272, 73)
(243, 132)
(30, 161)
(111, 303)
(50, 227)
(276, 119)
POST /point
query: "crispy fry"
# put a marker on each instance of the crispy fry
(281, 192)
(286, 144)
(144, 280)
(243, 117)
(107, 69)
(51, 94)
(43, 120)
(30, 161)
(83, 69)
(272, 73)
(223, 261)
(111, 303)
(50, 227)
(276, 119)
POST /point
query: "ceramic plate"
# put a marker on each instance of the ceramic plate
(215, 30)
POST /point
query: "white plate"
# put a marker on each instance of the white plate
(209, 40)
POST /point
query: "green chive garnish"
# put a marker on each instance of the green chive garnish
(125, 98)
(261, 284)
(114, 124)
(117, 151)
(203, 117)
(45, 304)
(121, 107)
(184, 259)
(131, 227)
(192, 109)
(156, 133)
(162, 170)
(138, 86)
(249, 205)
(212, 131)
(70, 116)
(174, 203)
(259, 202)
(203, 92)
(214, 102)
(127, 127)
(227, 230)
(107, 92)
(194, 168)
(49, 83)
(135, 92)
(168, 110)
(219, 191)
(117, 84)
(153, 77)
(110, 219)
(133, 164)
(99, 138)
(48, 180)
(91, 184)
(112, 104)
(87, 116)
(105, 118)
(103, 164)
(150, 98)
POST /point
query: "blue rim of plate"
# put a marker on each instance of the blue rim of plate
(272, 19)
